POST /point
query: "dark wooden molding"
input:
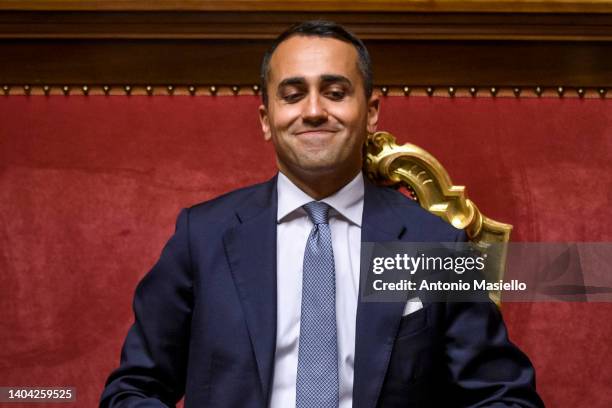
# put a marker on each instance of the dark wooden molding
(161, 62)
(429, 6)
(461, 49)
(267, 25)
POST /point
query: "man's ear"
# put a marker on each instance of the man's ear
(373, 105)
(265, 122)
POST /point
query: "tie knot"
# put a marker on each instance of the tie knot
(317, 211)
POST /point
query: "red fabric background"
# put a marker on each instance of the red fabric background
(90, 188)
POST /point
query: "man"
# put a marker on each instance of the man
(254, 300)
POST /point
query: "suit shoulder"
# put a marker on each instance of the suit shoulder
(224, 206)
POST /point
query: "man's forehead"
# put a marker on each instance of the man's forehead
(313, 57)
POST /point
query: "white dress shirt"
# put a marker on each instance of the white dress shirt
(293, 228)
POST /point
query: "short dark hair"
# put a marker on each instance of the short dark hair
(325, 29)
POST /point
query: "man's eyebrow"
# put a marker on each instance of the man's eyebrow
(292, 81)
(331, 78)
(325, 78)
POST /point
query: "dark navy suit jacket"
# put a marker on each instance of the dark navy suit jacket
(205, 320)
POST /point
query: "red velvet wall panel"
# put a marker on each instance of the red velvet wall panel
(90, 188)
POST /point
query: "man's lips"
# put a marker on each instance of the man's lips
(316, 132)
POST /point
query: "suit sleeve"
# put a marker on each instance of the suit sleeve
(153, 364)
(488, 370)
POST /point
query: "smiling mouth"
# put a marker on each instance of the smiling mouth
(316, 132)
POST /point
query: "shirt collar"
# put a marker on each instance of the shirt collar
(348, 201)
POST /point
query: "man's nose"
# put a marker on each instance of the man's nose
(314, 112)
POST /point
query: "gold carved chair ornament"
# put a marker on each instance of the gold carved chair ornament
(427, 182)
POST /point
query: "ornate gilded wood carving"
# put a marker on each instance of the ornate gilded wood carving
(428, 182)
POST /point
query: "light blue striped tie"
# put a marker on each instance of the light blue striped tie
(317, 372)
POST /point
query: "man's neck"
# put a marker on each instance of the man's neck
(322, 186)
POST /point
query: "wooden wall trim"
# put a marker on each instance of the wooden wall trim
(225, 48)
(259, 25)
(234, 62)
(432, 6)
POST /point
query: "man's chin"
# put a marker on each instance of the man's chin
(319, 168)
(316, 168)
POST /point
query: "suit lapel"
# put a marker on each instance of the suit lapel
(251, 252)
(377, 323)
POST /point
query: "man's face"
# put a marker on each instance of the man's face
(317, 114)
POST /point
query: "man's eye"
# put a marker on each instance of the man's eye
(336, 95)
(292, 97)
